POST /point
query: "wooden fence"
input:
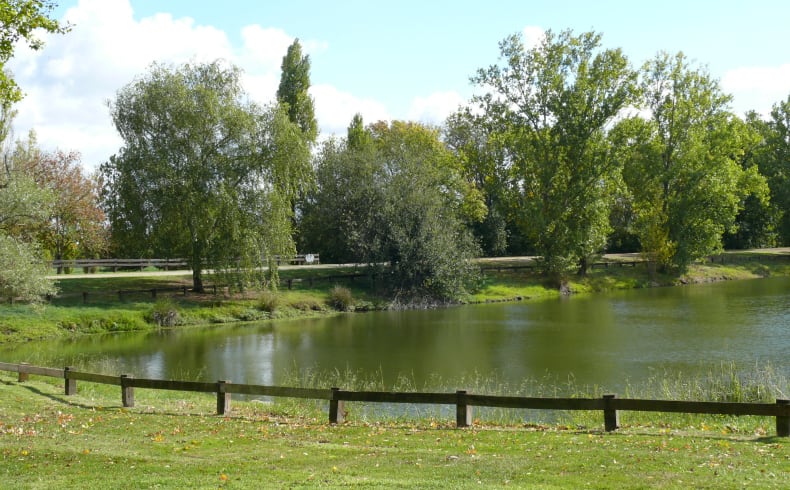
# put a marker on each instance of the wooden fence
(166, 264)
(610, 405)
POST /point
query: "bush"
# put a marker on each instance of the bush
(164, 313)
(340, 298)
(269, 301)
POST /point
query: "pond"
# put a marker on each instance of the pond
(603, 340)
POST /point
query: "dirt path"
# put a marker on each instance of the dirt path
(613, 257)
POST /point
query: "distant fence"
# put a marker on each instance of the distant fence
(166, 264)
(154, 293)
(726, 258)
(610, 405)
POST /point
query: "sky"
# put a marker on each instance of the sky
(400, 59)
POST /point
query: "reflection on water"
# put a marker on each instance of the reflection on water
(602, 340)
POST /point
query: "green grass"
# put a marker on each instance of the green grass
(173, 440)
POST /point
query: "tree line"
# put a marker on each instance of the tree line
(567, 152)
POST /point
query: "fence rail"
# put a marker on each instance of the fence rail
(463, 401)
(166, 264)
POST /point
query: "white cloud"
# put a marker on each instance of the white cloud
(334, 109)
(757, 87)
(435, 108)
(69, 81)
(533, 36)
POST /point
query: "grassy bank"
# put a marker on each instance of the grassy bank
(173, 440)
(91, 304)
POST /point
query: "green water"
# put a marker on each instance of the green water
(604, 340)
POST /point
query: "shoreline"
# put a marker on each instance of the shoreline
(509, 283)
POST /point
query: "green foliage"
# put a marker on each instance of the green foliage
(773, 160)
(269, 301)
(23, 274)
(293, 91)
(24, 209)
(550, 105)
(74, 227)
(164, 313)
(682, 165)
(22, 20)
(202, 174)
(397, 203)
(340, 298)
(483, 163)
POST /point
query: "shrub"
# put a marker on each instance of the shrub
(340, 298)
(164, 313)
(269, 301)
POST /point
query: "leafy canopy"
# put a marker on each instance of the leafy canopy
(552, 103)
(203, 173)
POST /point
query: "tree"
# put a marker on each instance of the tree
(293, 91)
(203, 174)
(396, 196)
(419, 223)
(484, 165)
(758, 217)
(682, 164)
(554, 102)
(337, 210)
(22, 272)
(20, 19)
(75, 226)
(24, 208)
(774, 163)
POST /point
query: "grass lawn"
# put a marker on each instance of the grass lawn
(173, 440)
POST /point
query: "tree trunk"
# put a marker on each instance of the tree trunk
(583, 267)
(197, 280)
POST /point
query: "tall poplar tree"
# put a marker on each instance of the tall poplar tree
(293, 91)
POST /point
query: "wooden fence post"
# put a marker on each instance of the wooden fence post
(70, 385)
(127, 390)
(783, 421)
(85, 297)
(223, 397)
(23, 376)
(337, 409)
(463, 412)
(153, 293)
(185, 290)
(611, 418)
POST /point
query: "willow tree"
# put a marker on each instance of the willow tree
(553, 102)
(203, 173)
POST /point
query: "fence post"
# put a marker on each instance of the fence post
(23, 375)
(185, 290)
(85, 297)
(611, 418)
(70, 385)
(783, 421)
(337, 409)
(127, 390)
(223, 397)
(153, 293)
(463, 412)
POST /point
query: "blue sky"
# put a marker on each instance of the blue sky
(397, 59)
